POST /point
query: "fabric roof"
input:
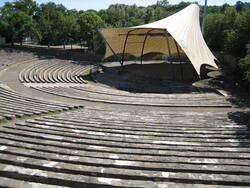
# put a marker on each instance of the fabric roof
(183, 27)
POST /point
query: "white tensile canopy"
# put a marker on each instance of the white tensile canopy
(175, 34)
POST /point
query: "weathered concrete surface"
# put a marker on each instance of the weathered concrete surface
(100, 147)
(114, 145)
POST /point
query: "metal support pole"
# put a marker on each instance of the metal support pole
(109, 46)
(204, 18)
(144, 42)
(178, 51)
(169, 52)
(125, 44)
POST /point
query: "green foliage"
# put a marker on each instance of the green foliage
(16, 20)
(163, 3)
(69, 28)
(227, 28)
(89, 22)
(239, 6)
(53, 24)
(50, 23)
(98, 45)
(21, 25)
(237, 34)
(3, 26)
(120, 15)
(245, 65)
(224, 6)
(27, 6)
(16, 24)
(214, 31)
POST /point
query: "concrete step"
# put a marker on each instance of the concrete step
(201, 100)
(137, 147)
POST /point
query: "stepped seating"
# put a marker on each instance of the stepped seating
(54, 71)
(118, 146)
(215, 74)
(109, 95)
(105, 147)
(41, 75)
(10, 56)
(14, 105)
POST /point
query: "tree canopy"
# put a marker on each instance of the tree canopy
(227, 28)
(16, 21)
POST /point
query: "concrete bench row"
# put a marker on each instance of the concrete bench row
(54, 71)
(9, 57)
(97, 89)
(13, 105)
(99, 94)
(106, 147)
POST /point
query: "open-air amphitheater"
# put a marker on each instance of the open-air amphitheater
(64, 127)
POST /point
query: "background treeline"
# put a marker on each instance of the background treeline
(227, 27)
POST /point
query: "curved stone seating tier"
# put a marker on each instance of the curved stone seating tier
(215, 74)
(209, 83)
(109, 95)
(102, 146)
(105, 147)
(54, 71)
(13, 105)
(11, 56)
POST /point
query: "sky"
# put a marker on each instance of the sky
(103, 4)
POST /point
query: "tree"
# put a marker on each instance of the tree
(3, 27)
(115, 15)
(237, 32)
(20, 25)
(27, 6)
(149, 15)
(214, 31)
(49, 22)
(69, 28)
(239, 6)
(224, 6)
(245, 65)
(16, 23)
(89, 23)
(163, 3)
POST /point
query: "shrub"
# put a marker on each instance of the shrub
(245, 65)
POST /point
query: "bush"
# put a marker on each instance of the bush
(245, 65)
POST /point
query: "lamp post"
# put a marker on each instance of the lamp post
(204, 17)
